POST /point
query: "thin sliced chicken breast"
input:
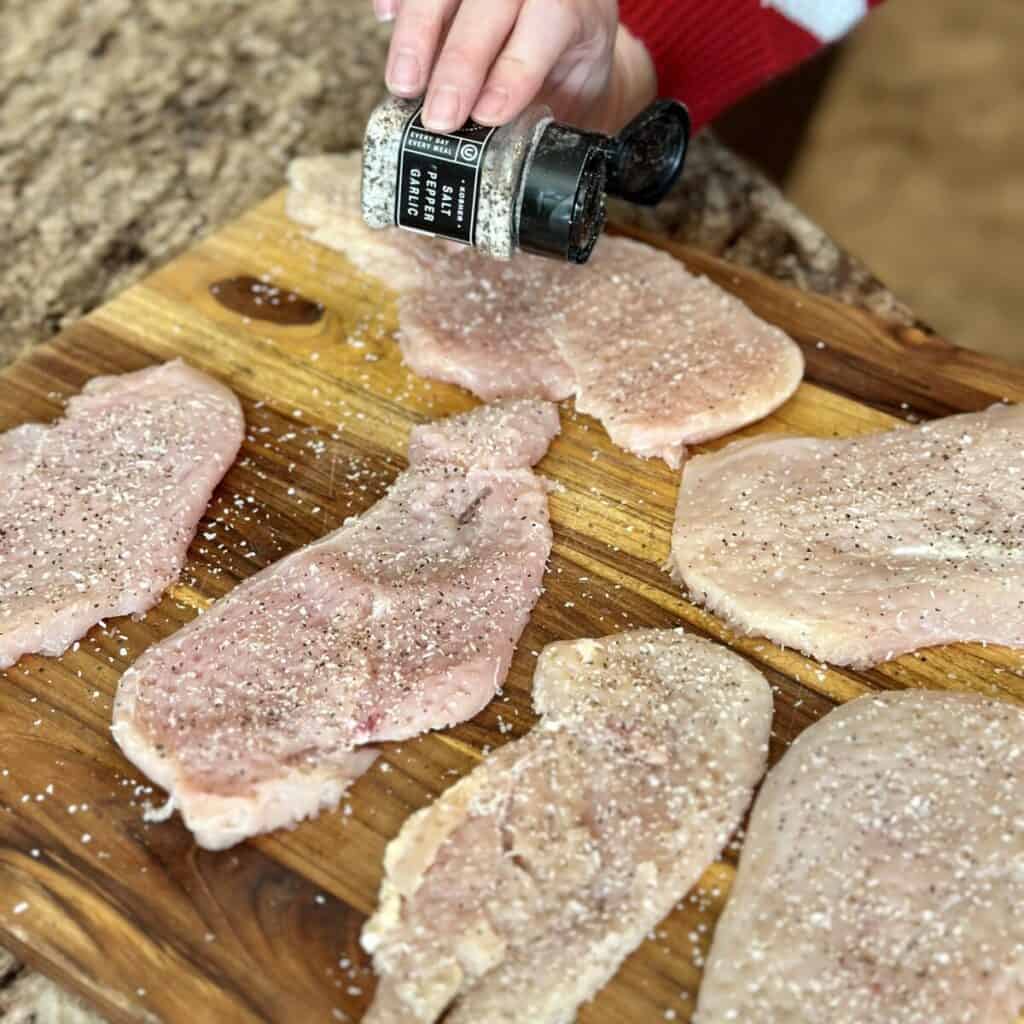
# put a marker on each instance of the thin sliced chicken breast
(520, 891)
(486, 325)
(857, 550)
(465, 318)
(661, 357)
(260, 712)
(98, 509)
(882, 874)
(323, 195)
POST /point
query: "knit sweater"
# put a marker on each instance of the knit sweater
(711, 53)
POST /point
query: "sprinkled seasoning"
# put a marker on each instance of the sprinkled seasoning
(857, 550)
(98, 509)
(465, 185)
(661, 356)
(532, 184)
(260, 712)
(567, 847)
(882, 874)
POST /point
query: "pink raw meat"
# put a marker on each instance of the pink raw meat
(257, 714)
(661, 357)
(486, 325)
(323, 195)
(516, 895)
(882, 874)
(856, 550)
(97, 510)
(465, 318)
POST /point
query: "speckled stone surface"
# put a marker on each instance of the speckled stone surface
(30, 998)
(130, 128)
(8, 965)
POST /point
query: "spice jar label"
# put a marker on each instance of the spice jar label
(439, 179)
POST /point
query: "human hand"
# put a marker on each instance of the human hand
(489, 59)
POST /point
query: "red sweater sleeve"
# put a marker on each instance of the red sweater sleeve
(711, 53)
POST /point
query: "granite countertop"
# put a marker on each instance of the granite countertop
(130, 128)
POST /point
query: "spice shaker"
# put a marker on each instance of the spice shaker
(534, 184)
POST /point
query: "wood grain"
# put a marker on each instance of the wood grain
(149, 927)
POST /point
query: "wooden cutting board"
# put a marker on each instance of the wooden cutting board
(151, 928)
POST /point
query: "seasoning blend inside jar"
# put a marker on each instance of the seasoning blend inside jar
(533, 184)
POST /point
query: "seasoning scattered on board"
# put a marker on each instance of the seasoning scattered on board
(97, 510)
(448, 293)
(882, 874)
(857, 550)
(662, 357)
(520, 891)
(257, 714)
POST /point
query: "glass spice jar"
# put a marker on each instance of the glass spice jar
(533, 184)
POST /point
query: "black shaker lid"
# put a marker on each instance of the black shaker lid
(562, 211)
(646, 158)
(563, 198)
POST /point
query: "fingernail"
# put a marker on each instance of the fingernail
(385, 10)
(491, 104)
(442, 113)
(404, 74)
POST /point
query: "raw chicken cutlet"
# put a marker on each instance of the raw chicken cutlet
(519, 892)
(465, 318)
(857, 550)
(882, 874)
(661, 357)
(488, 326)
(258, 713)
(98, 509)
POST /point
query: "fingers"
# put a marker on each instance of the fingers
(419, 27)
(493, 63)
(385, 10)
(475, 39)
(544, 30)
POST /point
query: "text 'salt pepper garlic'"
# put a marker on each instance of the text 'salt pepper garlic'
(533, 184)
